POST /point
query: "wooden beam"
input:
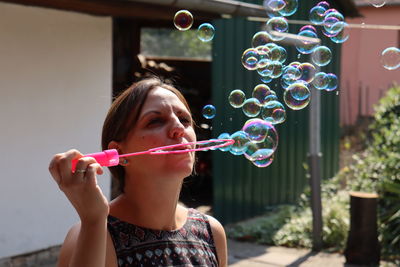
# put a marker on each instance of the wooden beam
(114, 8)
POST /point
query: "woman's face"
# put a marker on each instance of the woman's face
(164, 120)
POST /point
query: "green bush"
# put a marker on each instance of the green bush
(375, 170)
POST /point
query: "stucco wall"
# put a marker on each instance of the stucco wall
(361, 65)
(55, 89)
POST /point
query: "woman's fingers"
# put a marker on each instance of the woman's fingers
(53, 168)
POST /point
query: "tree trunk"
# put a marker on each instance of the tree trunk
(362, 244)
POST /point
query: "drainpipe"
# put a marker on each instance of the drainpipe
(225, 7)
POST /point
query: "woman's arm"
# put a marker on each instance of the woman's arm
(85, 244)
(220, 241)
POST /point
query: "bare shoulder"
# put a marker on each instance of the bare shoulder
(70, 242)
(220, 240)
(67, 248)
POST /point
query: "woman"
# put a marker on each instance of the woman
(145, 225)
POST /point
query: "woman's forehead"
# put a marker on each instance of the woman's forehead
(161, 97)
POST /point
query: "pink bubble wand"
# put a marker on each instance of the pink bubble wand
(110, 157)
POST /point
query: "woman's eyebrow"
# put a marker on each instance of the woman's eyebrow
(147, 113)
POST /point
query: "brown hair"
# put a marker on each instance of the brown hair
(123, 115)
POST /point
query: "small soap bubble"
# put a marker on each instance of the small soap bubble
(264, 162)
(209, 111)
(320, 81)
(261, 91)
(321, 56)
(332, 82)
(225, 136)
(294, 103)
(274, 112)
(341, 36)
(276, 5)
(236, 98)
(308, 28)
(250, 59)
(206, 32)
(377, 3)
(251, 107)
(264, 67)
(307, 72)
(390, 58)
(270, 97)
(257, 129)
(266, 79)
(261, 38)
(276, 69)
(279, 54)
(317, 15)
(299, 91)
(183, 20)
(305, 45)
(277, 24)
(324, 4)
(289, 9)
(241, 142)
(291, 74)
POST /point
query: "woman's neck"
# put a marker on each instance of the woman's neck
(151, 203)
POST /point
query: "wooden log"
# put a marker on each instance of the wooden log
(363, 247)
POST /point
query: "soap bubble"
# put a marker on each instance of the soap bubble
(324, 4)
(306, 46)
(209, 111)
(266, 79)
(317, 15)
(332, 82)
(258, 151)
(390, 58)
(270, 97)
(308, 28)
(274, 112)
(258, 129)
(377, 3)
(321, 55)
(276, 5)
(341, 36)
(320, 81)
(261, 91)
(205, 32)
(277, 24)
(236, 98)
(261, 38)
(241, 142)
(301, 92)
(264, 162)
(278, 53)
(251, 107)
(225, 136)
(291, 74)
(307, 72)
(250, 59)
(183, 20)
(289, 9)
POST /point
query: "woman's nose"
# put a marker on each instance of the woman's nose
(177, 129)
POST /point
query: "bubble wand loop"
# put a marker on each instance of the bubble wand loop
(110, 157)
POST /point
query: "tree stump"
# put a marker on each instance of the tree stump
(363, 247)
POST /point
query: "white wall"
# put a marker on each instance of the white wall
(55, 89)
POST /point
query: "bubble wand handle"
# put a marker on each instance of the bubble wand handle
(110, 157)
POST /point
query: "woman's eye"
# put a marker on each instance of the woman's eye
(154, 121)
(185, 120)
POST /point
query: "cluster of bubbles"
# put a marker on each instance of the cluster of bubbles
(257, 140)
(183, 21)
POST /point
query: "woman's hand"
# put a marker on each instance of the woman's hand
(81, 186)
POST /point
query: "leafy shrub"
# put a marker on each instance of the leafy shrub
(377, 169)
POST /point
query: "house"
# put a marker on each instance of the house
(363, 78)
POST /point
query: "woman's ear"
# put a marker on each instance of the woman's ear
(114, 145)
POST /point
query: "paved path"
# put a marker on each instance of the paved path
(252, 255)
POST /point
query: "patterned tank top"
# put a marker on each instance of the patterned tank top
(191, 245)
